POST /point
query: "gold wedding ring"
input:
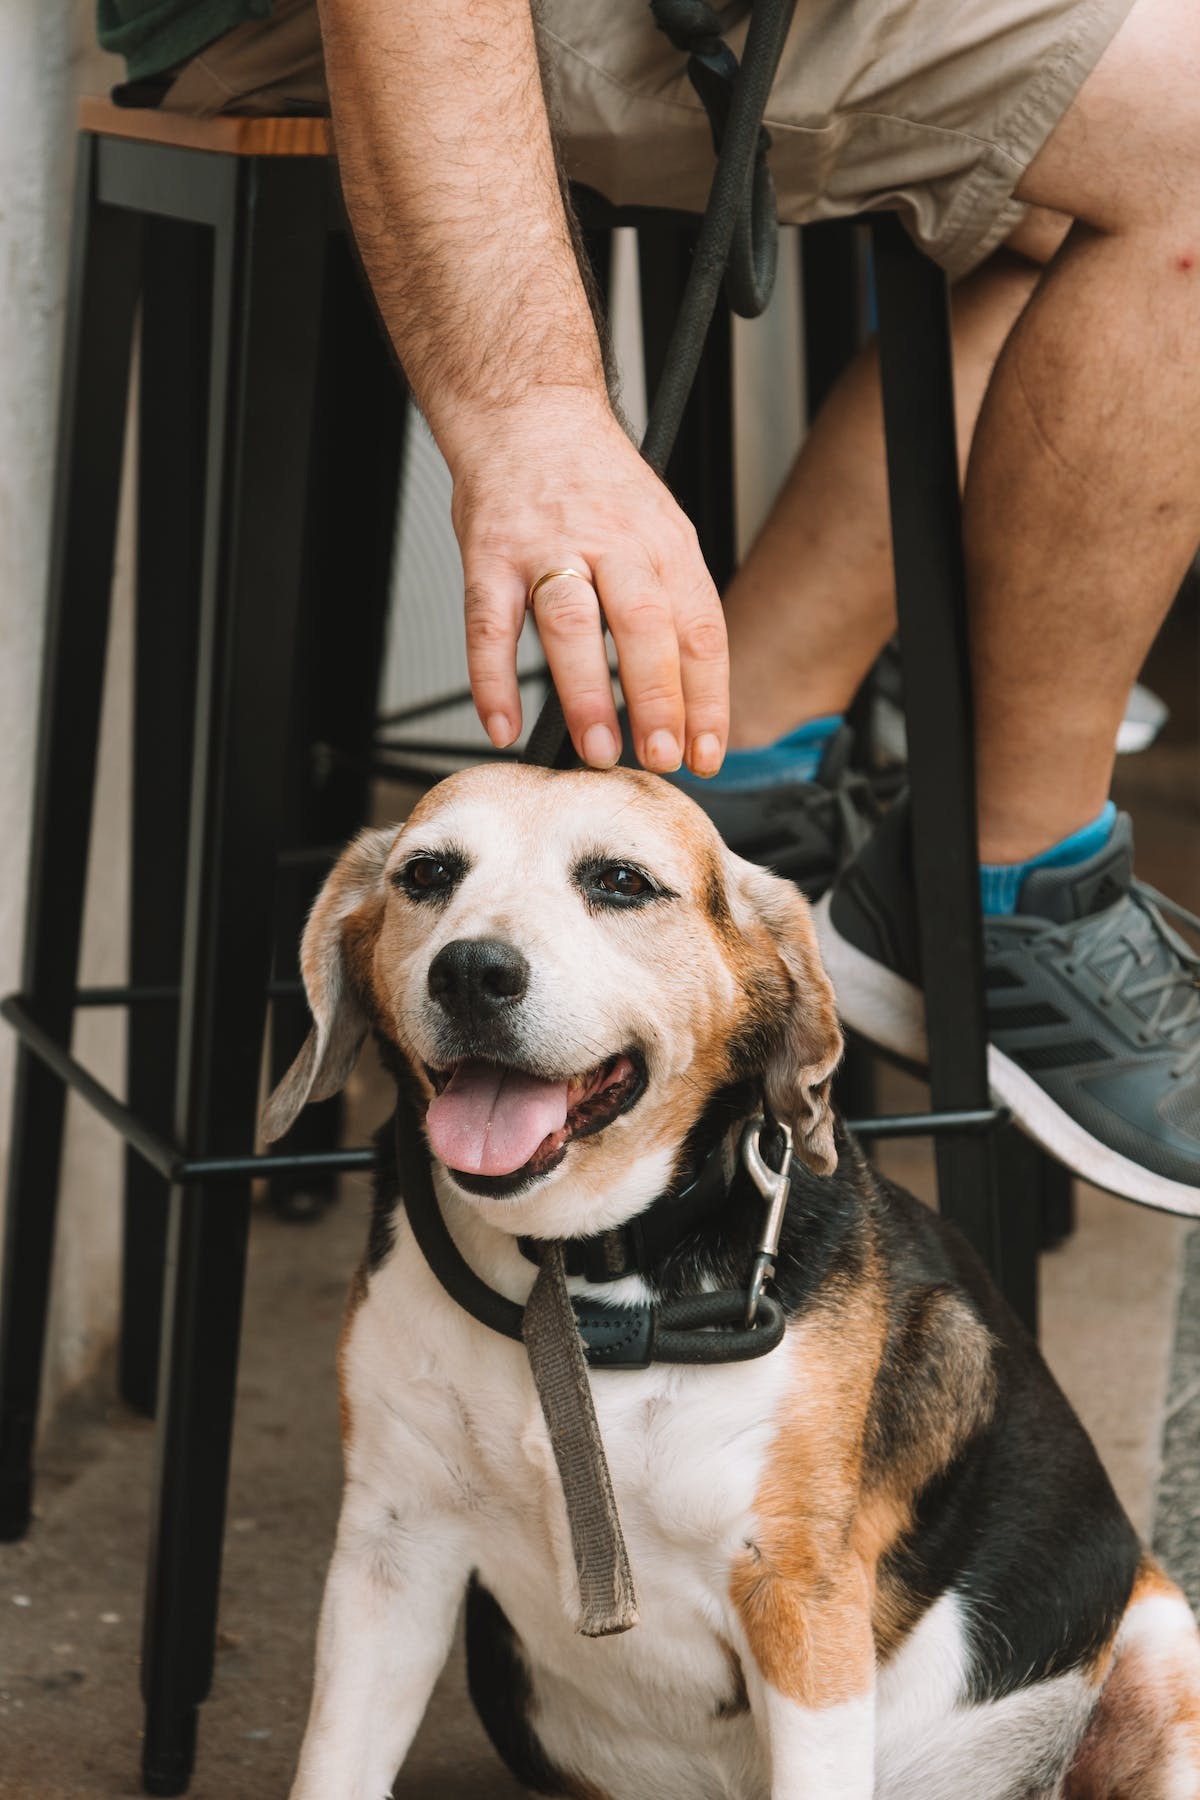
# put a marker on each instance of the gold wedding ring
(553, 575)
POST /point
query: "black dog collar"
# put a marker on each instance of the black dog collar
(638, 1246)
(732, 1325)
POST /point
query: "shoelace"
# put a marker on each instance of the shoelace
(854, 803)
(1125, 948)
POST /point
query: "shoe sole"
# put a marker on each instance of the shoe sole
(882, 1006)
(1133, 735)
(1136, 735)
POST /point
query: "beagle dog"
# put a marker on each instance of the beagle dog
(881, 1559)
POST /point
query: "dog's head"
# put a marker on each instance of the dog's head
(572, 965)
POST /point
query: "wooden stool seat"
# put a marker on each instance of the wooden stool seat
(226, 135)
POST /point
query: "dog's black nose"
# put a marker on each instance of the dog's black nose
(472, 978)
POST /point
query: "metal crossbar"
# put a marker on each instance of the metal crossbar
(142, 995)
(156, 1148)
(177, 1166)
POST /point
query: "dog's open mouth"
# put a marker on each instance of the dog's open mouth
(493, 1122)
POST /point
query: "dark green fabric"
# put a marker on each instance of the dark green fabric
(154, 35)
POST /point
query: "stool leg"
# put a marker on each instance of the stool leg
(101, 302)
(1022, 1172)
(918, 402)
(362, 410)
(268, 260)
(173, 403)
(700, 472)
(855, 1088)
(833, 286)
(1058, 1203)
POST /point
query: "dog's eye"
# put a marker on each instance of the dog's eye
(426, 875)
(622, 879)
(617, 884)
(426, 872)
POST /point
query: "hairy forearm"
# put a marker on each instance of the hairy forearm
(448, 169)
(449, 176)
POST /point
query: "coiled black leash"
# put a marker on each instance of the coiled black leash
(737, 243)
(694, 27)
(738, 237)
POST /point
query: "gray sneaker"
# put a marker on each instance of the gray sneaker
(806, 830)
(1093, 1003)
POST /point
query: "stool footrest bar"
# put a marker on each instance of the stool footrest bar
(431, 746)
(931, 1124)
(159, 1151)
(100, 997)
(274, 1162)
(170, 1161)
(126, 996)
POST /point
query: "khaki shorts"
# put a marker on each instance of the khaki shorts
(931, 108)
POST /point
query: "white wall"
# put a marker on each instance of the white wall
(47, 57)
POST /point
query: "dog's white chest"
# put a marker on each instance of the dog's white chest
(685, 1449)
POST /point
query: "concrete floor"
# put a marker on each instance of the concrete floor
(70, 1594)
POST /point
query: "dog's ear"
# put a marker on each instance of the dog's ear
(807, 1040)
(351, 898)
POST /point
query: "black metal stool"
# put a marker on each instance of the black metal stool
(271, 421)
(267, 398)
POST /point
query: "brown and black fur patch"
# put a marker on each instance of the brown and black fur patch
(737, 1702)
(1145, 1731)
(1022, 1520)
(502, 1692)
(934, 1391)
(969, 1469)
(715, 902)
(801, 1587)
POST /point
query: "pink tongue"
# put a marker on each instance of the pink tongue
(489, 1121)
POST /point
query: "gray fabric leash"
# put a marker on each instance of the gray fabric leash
(607, 1600)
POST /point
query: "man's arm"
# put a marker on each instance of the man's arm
(450, 180)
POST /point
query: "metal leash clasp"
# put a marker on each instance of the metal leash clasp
(774, 1185)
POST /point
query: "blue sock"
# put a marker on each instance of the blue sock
(1000, 883)
(795, 757)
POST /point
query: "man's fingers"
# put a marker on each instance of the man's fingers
(567, 612)
(704, 666)
(495, 613)
(640, 617)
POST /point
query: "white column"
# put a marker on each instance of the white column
(47, 58)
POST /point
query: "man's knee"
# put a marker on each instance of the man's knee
(1125, 156)
(1038, 238)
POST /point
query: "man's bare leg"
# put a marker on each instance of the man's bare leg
(1083, 491)
(824, 551)
(1082, 513)
(1083, 494)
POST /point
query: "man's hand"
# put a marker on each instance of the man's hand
(448, 171)
(554, 483)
